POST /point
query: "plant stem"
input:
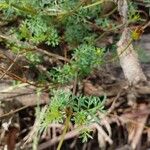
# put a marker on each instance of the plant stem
(64, 131)
(94, 4)
(33, 11)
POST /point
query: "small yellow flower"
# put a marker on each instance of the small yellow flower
(136, 34)
(98, 51)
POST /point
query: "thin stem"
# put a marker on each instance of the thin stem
(146, 25)
(56, 13)
(3, 70)
(25, 9)
(13, 112)
(109, 13)
(10, 66)
(64, 131)
(95, 4)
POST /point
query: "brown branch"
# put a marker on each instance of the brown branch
(13, 112)
(15, 77)
(51, 54)
(33, 48)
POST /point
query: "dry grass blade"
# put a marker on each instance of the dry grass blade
(136, 123)
(137, 131)
(102, 133)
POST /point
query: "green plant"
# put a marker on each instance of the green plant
(81, 110)
(85, 59)
(133, 14)
(77, 24)
(82, 107)
(85, 135)
(37, 30)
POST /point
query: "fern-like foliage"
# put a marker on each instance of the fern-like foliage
(77, 24)
(38, 30)
(84, 109)
(85, 59)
